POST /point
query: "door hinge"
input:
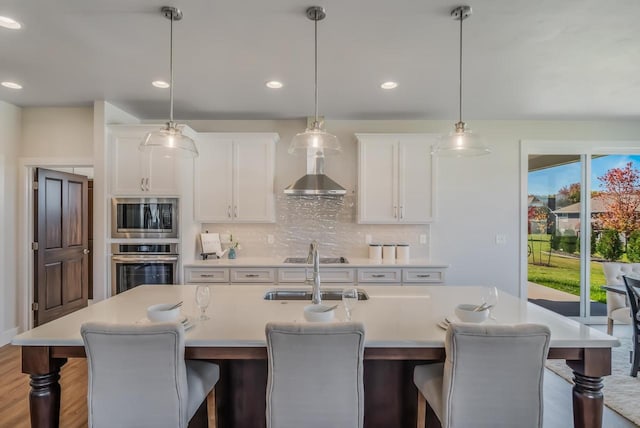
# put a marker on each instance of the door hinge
(34, 246)
(34, 306)
(35, 185)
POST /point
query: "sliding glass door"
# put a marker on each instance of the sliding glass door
(582, 208)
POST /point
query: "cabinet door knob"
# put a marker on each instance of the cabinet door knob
(378, 275)
(401, 212)
(86, 251)
(395, 212)
(235, 211)
(251, 275)
(142, 184)
(423, 276)
(147, 185)
(229, 211)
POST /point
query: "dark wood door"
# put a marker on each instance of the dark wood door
(61, 256)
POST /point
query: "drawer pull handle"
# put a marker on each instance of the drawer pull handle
(206, 275)
(378, 275)
(424, 276)
(251, 275)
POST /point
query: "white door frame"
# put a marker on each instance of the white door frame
(566, 147)
(26, 167)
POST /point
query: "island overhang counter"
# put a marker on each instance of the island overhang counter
(401, 331)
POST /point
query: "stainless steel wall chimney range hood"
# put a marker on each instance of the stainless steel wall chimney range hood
(315, 182)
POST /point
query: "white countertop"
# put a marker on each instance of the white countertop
(394, 317)
(354, 262)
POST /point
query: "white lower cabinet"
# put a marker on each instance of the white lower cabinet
(252, 275)
(327, 275)
(334, 276)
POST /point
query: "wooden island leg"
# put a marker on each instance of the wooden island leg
(44, 398)
(588, 400)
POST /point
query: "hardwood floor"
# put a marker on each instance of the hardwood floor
(14, 391)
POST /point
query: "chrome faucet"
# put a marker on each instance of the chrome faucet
(314, 258)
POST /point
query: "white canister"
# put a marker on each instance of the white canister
(402, 252)
(375, 251)
(389, 252)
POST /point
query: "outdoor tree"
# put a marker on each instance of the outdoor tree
(622, 193)
(568, 195)
(539, 242)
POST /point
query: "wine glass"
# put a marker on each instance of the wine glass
(349, 300)
(490, 298)
(203, 296)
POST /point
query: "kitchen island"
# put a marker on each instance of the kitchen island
(401, 332)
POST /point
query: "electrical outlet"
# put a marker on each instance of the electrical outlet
(269, 239)
(501, 239)
(423, 239)
(367, 239)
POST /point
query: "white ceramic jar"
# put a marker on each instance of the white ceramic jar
(389, 252)
(402, 252)
(375, 251)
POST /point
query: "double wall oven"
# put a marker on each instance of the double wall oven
(146, 252)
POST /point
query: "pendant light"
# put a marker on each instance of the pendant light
(461, 142)
(314, 137)
(170, 137)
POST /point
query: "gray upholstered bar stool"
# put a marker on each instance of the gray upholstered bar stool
(315, 375)
(492, 377)
(138, 376)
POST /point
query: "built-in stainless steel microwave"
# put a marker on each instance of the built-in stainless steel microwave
(144, 218)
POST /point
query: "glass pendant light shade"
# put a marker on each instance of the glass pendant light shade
(461, 143)
(170, 137)
(315, 138)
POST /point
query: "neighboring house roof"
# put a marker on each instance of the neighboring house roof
(534, 201)
(598, 205)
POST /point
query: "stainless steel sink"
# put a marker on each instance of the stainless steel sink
(299, 294)
(323, 260)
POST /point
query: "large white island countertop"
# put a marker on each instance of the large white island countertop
(394, 317)
(354, 262)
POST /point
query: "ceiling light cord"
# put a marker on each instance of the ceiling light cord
(315, 26)
(171, 69)
(461, 17)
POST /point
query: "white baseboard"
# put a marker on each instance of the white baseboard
(8, 335)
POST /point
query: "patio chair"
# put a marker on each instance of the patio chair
(617, 304)
(633, 291)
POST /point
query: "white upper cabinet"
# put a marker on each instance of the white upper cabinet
(395, 178)
(234, 178)
(138, 173)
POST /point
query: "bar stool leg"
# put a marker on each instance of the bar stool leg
(422, 411)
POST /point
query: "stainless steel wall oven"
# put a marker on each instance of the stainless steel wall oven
(144, 218)
(134, 264)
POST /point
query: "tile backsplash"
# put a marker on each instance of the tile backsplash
(331, 221)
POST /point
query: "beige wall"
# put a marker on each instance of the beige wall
(10, 135)
(57, 132)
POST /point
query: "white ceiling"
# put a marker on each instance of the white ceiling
(543, 59)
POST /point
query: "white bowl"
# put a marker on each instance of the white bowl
(465, 313)
(318, 313)
(162, 313)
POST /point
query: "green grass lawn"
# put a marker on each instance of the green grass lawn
(563, 273)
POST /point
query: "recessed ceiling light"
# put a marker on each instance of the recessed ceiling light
(274, 84)
(11, 85)
(9, 23)
(160, 84)
(389, 85)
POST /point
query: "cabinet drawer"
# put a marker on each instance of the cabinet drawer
(379, 275)
(206, 275)
(327, 275)
(422, 275)
(249, 275)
